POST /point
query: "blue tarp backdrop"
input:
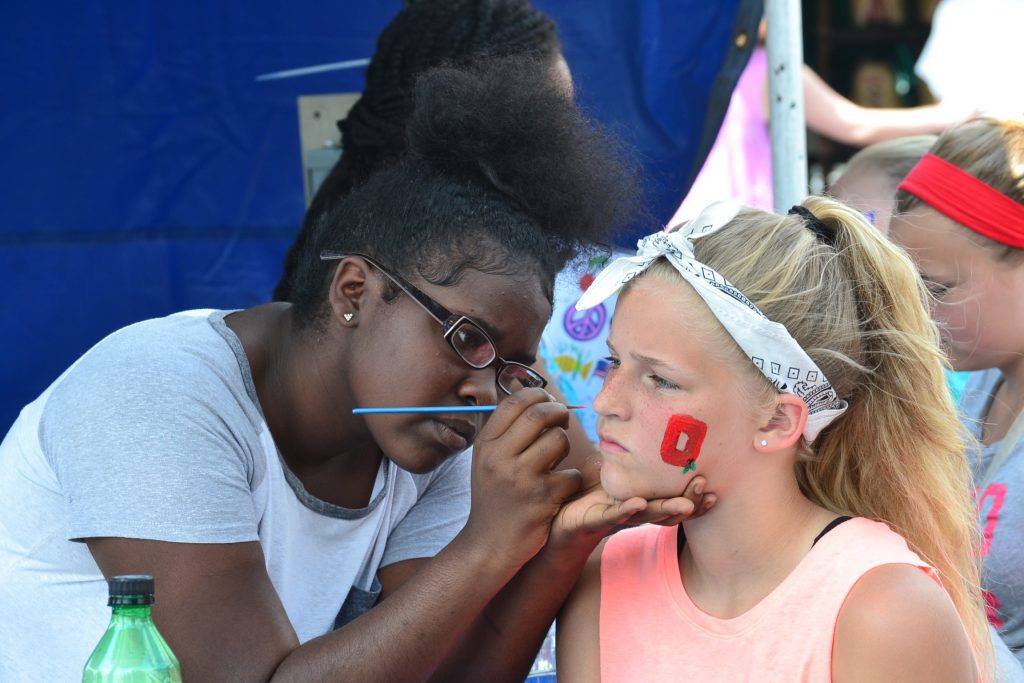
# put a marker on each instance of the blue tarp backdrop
(145, 169)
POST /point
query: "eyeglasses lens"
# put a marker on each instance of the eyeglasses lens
(473, 345)
(476, 349)
(514, 377)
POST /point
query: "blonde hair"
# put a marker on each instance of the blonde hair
(892, 158)
(858, 308)
(991, 150)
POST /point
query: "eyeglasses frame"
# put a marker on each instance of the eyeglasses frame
(449, 321)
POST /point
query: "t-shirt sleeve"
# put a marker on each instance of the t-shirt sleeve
(435, 519)
(149, 439)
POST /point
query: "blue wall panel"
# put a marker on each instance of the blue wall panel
(146, 170)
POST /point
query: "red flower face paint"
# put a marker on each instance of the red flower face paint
(680, 426)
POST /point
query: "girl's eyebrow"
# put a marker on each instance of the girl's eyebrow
(648, 360)
(654, 362)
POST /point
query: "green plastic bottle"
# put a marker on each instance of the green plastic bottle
(132, 650)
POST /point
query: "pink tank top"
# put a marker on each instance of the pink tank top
(650, 630)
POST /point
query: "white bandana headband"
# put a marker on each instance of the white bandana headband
(771, 348)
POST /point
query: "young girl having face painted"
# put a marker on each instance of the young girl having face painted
(791, 361)
(960, 215)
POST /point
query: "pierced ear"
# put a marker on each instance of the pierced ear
(348, 290)
(786, 425)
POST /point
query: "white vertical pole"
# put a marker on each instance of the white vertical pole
(786, 102)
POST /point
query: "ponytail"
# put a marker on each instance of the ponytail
(856, 304)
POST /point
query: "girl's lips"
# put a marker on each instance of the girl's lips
(455, 434)
(610, 445)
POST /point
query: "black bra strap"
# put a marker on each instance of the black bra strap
(829, 527)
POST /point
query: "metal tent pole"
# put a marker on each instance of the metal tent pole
(786, 102)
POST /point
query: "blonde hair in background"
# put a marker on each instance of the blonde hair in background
(859, 311)
(892, 158)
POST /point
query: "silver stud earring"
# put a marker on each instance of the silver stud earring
(763, 442)
(348, 317)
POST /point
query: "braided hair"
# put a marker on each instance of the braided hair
(424, 34)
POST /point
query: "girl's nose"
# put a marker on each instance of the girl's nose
(610, 402)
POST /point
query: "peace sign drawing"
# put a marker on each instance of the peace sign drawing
(585, 325)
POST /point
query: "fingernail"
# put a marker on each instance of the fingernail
(698, 488)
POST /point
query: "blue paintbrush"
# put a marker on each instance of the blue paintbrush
(433, 409)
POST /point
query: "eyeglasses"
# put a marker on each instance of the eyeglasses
(466, 338)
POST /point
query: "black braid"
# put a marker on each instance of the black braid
(424, 35)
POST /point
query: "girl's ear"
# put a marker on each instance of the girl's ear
(348, 288)
(786, 425)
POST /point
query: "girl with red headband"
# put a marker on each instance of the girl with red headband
(960, 214)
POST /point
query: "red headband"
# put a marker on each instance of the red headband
(958, 195)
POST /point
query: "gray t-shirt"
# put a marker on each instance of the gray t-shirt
(157, 433)
(1001, 514)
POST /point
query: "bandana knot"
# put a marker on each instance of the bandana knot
(768, 344)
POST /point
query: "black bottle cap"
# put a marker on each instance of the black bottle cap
(134, 589)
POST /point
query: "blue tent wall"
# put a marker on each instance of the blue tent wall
(145, 170)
